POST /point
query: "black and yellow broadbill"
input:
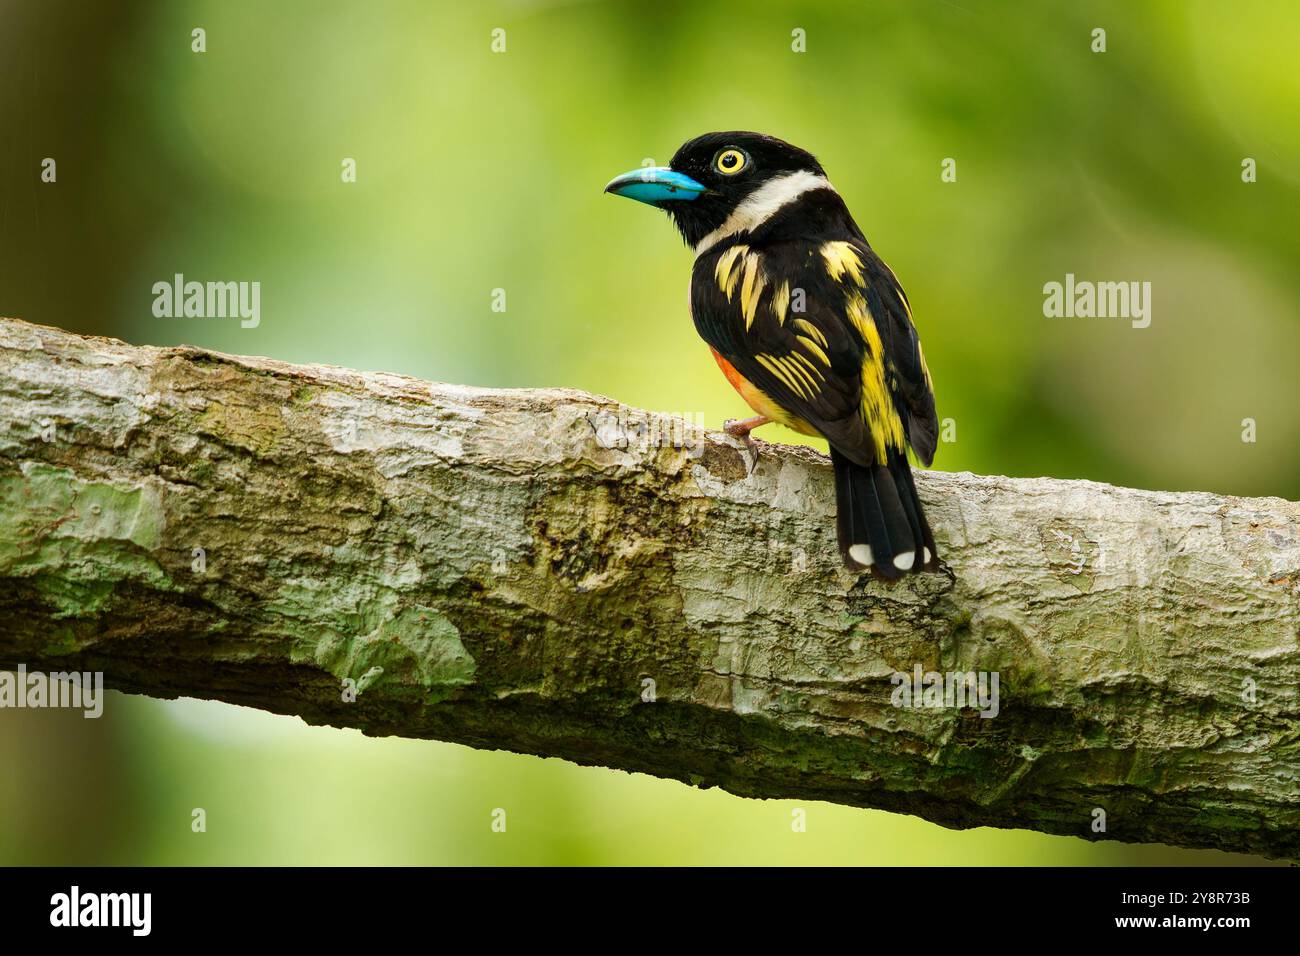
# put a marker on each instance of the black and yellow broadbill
(809, 325)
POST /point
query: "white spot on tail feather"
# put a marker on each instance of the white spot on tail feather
(861, 553)
(905, 560)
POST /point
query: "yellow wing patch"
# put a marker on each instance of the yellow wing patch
(727, 279)
(739, 266)
(800, 375)
(814, 350)
(740, 269)
(841, 260)
(781, 302)
(808, 330)
(877, 405)
(860, 316)
(751, 289)
(807, 368)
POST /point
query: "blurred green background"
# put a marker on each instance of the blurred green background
(479, 170)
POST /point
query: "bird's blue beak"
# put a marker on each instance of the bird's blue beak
(655, 184)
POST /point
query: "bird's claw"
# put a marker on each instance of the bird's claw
(738, 428)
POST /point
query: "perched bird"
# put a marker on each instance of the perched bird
(809, 326)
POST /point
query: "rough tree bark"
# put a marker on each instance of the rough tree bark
(543, 571)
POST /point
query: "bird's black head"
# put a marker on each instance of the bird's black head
(722, 179)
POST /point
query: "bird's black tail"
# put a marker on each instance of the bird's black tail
(879, 518)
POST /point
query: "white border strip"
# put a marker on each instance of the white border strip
(762, 204)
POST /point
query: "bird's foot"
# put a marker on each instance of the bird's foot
(741, 427)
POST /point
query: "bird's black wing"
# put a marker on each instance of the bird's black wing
(910, 379)
(822, 329)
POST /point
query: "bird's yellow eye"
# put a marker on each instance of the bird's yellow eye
(730, 162)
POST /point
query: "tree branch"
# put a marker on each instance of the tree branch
(538, 571)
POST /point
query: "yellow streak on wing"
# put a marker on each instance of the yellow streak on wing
(898, 287)
(723, 271)
(780, 302)
(751, 290)
(800, 375)
(842, 258)
(814, 349)
(877, 403)
(803, 325)
(925, 370)
(763, 404)
(806, 388)
(805, 364)
(771, 363)
(856, 306)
